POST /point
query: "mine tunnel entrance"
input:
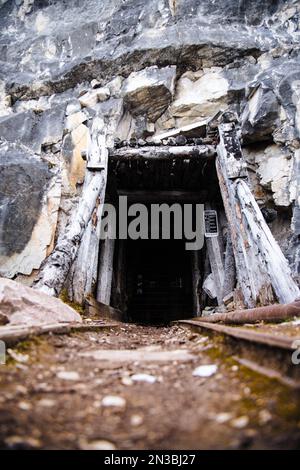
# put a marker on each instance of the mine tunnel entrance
(156, 281)
(159, 281)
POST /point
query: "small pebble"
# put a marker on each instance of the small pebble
(240, 422)
(136, 420)
(24, 406)
(113, 400)
(264, 416)
(150, 379)
(68, 375)
(205, 371)
(46, 403)
(19, 442)
(97, 445)
(222, 418)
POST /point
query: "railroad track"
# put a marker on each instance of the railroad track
(266, 353)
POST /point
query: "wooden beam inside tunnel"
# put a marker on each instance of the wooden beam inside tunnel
(164, 196)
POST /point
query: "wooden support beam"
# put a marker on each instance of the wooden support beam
(215, 256)
(164, 196)
(119, 297)
(197, 129)
(196, 282)
(105, 271)
(56, 267)
(229, 268)
(164, 152)
(263, 273)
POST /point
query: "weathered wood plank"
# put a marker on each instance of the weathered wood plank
(56, 267)
(196, 282)
(216, 261)
(164, 153)
(263, 272)
(184, 130)
(105, 271)
(163, 196)
(229, 268)
(12, 335)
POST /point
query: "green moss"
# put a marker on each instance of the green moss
(76, 306)
(264, 391)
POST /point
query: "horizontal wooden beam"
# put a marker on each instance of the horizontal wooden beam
(199, 126)
(163, 152)
(163, 196)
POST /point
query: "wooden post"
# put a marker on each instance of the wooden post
(196, 283)
(56, 267)
(105, 271)
(263, 273)
(229, 268)
(120, 280)
(215, 256)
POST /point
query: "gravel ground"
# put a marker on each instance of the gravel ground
(56, 393)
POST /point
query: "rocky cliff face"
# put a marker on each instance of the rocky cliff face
(160, 64)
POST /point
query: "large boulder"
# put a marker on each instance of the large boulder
(22, 305)
(199, 95)
(150, 91)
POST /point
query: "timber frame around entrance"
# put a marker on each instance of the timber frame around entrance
(253, 271)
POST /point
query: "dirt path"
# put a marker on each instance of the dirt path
(61, 393)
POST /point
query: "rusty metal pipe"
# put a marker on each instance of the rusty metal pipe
(271, 313)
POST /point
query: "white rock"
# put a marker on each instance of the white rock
(199, 95)
(20, 442)
(114, 400)
(205, 371)
(89, 99)
(115, 85)
(150, 379)
(95, 83)
(46, 403)
(74, 120)
(136, 420)
(264, 416)
(222, 418)
(103, 94)
(240, 422)
(73, 108)
(275, 171)
(126, 381)
(96, 445)
(24, 406)
(209, 286)
(68, 375)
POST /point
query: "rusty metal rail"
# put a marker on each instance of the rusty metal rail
(266, 339)
(264, 353)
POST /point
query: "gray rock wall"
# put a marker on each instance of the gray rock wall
(167, 63)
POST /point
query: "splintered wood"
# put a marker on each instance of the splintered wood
(263, 273)
(56, 267)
